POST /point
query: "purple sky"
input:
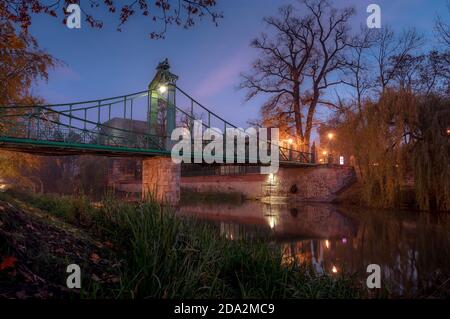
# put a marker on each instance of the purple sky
(103, 63)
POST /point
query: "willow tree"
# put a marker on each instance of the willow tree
(399, 137)
(385, 132)
(431, 153)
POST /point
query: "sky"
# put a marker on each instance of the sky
(101, 63)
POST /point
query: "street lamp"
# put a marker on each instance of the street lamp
(330, 137)
(162, 89)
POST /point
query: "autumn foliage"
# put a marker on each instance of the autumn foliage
(163, 13)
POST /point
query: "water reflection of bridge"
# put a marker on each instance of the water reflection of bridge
(305, 233)
(412, 249)
(280, 222)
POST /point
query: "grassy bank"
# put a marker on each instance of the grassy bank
(163, 256)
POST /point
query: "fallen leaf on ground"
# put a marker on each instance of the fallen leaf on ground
(108, 244)
(8, 262)
(95, 258)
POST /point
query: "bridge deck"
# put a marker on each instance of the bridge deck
(52, 148)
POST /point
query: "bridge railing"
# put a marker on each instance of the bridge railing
(192, 110)
(121, 121)
(107, 122)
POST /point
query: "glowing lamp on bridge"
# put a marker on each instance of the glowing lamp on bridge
(272, 222)
(162, 89)
(324, 152)
(334, 269)
(290, 141)
(330, 136)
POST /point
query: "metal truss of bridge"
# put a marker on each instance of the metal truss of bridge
(133, 125)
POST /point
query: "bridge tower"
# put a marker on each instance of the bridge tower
(160, 176)
(161, 113)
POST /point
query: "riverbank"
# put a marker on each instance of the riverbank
(353, 196)
(142, 250)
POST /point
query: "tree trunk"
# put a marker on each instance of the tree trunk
(309, 120)
(297, 113)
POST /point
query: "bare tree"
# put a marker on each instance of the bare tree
(433, 73)
(392, 53)
(279, 71)
(443, 29)
(358, 69)
(298, 62)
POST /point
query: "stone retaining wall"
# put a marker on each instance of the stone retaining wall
(319, 183)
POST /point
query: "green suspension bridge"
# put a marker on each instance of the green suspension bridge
(133, 125)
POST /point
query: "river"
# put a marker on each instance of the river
(412, 249)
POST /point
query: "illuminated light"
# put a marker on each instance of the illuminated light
(321, 160)
(448, 131)
(162, 89)
(272, 222)
(330, 135)
(290, 141)
(344, 240)
(334, 269)
(324, 152)
(271, 178)
(327, 243)
(341, 160)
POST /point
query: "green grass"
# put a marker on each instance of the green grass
(164, 256)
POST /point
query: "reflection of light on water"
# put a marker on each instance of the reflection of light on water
(288, 255)
(272, 221)
(229, 231)
(402, 249)
(272, 214)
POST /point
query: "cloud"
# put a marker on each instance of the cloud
(65, 72)
(223, 76)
